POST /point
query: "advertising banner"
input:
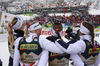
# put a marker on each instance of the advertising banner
(5, 19)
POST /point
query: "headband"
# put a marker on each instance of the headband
(84, 30)
(35, 27)
(19, 23)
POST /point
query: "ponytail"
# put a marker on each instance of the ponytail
(26, 29)
(92, 34)
(26, 32)
(58, 27)
(59, 35)
(10, 31)
(57, 32)
(11, 36)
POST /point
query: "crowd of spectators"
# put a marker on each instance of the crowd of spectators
(95, 19)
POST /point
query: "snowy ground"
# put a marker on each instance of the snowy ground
(4, 54)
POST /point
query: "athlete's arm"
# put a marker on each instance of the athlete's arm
(17, 58)
(77, 60)
(71, 48)
(44, 58)
(49, 46)
(97, 60)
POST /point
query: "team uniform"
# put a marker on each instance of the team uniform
(17, 33)
(29, 50)
(11, 50)
(89, 56)
(83, 47)
(56, 59)
(54, 56)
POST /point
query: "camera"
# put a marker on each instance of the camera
(72, 35)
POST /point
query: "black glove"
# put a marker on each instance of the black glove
(52, 38)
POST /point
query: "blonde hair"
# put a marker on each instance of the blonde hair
(26, 29)
(10, 31)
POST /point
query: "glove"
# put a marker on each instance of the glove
(52, 38)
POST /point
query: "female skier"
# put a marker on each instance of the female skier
(17, 25)
(86, 47)
(28, 49)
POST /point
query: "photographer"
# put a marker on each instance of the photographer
(71, 34)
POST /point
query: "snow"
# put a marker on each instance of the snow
(28, 17)
(4, 54)
(94, 12)
(3, 37)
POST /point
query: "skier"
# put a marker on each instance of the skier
(56, 59)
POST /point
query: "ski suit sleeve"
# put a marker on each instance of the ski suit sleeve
(17, 58)
(49, 46)
(44, 58)
(71, 48)
(77, 60)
